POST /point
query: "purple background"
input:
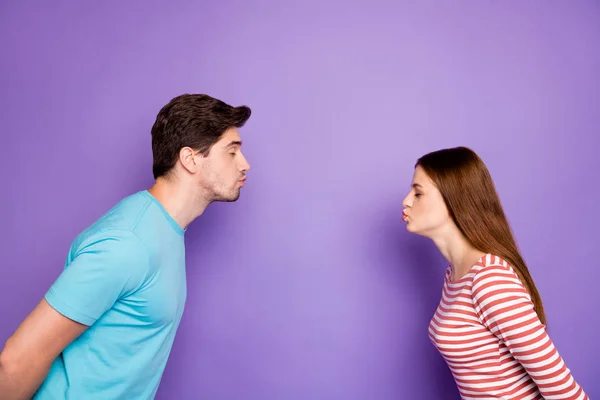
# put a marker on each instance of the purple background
(308, 287)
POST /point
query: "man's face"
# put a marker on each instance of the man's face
(223, 171)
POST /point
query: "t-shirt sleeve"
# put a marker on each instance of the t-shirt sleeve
(105, 268)
(504, 307)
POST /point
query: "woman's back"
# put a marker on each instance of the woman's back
(493, 341)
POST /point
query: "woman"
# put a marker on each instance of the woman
(490, 323)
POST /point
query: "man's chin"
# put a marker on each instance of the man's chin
(230, 198)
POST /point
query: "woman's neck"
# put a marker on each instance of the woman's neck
(458, 251)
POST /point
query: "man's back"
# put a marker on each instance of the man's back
(125, 278)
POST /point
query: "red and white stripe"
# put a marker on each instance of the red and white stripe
(496, 347)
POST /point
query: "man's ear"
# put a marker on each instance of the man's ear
(188, 159)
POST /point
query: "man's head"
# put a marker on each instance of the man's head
(195, 140)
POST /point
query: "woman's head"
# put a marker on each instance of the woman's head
(426, 212)
(452, 188)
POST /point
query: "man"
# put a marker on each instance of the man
(105, 327)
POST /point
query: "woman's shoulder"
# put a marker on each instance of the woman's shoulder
(495, 268)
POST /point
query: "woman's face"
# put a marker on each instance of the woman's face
(425, 211)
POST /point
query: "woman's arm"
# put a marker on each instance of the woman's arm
(505, 308)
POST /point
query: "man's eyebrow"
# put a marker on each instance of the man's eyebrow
(234, 143)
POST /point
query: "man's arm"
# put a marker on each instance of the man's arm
(108, 266)
(30, 351)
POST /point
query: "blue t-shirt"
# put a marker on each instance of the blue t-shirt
(125, 278)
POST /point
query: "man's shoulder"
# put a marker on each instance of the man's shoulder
(124, 215)
(119, 223)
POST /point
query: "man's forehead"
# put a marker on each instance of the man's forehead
(230, 135)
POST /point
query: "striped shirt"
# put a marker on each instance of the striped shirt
(486, 329)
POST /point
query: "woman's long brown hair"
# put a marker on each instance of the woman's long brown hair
(473, 203)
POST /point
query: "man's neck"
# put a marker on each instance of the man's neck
(182, 203)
